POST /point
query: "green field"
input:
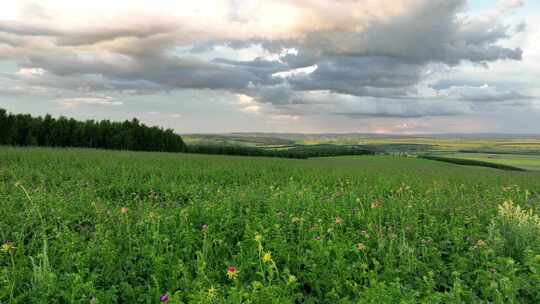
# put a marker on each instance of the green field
(393, 143)
(89, 226)
(528, 162)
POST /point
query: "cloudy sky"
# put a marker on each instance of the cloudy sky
(384, 66)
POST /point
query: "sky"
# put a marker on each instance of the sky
(298, 66)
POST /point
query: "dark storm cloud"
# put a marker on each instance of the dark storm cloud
(360, 76)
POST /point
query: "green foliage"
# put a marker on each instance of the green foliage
(241, 151)
(472, 162)
(300, 152)
(25, 130)
(231, 139)
(87, 226)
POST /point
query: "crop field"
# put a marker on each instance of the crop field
(527, 162)
(520, 145)
(90, 226)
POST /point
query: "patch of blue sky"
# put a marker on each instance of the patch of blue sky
(9, 67)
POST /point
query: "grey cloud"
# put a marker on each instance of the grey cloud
(88, 36)
(370, 70)
(430, 31)
(101, 101)
(483, 94)
(383, 107)
(389, 59)
(321, 102)
(362, 76)
(97, 35)
(26, 29)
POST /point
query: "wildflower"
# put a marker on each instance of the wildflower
(7, 247)
(520, 217)
(232, 272)
(204, 228)
(317, 238)
(291, 280)
(124, 210)
(360, 247)
(480, 243)
(164, 298)
(212, 292)
(267, 257)
(258, 237)
(375, 205)
(339, 220)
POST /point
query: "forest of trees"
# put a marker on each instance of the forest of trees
(25, 130)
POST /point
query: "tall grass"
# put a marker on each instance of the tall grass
(86, 226)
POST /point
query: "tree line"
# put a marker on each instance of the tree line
(471, 162)
(242, 151)
(25, 130)
(300, 152)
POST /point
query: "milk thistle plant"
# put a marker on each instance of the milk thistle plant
(232, 273)
(265, 257)
(164, 298)
(217, 229)
(9, 248)
(518, 228)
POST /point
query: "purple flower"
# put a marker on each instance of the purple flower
(164, 298)
(317, 238)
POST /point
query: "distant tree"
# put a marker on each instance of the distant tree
(5, 128)
(25, 130)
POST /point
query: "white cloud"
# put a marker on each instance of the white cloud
(281, 58)
(247, 104)
(71, 103)
(30, 72)
(296, 72)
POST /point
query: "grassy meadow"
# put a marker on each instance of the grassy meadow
(90, 226)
